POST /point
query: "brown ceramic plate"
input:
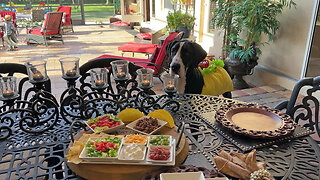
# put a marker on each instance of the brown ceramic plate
(255, 121)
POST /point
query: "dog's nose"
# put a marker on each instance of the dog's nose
(175, 68)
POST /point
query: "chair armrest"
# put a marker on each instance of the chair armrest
(282, 105)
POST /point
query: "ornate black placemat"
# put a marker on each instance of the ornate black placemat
(246, 143)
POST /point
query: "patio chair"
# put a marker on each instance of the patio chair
(11, 13)
(102, 63)
(305, 112)
(157, 62)
(11, 69)
(51, 30)
(67, 23)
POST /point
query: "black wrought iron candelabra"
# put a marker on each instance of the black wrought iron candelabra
(35, 115)
(40, 112)
(102, 99)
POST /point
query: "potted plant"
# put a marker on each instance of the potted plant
(179, 21)
(243, 22)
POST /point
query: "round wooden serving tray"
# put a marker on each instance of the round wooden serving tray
(128, 172)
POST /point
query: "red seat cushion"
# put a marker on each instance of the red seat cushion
(144, 36)
(120, 23)
(137, 61)
(138, 47)
(37, 31)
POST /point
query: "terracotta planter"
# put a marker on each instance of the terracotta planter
(239, 69)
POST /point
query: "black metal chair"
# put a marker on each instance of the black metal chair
(13, 68)
(307, 113)
(102, 63)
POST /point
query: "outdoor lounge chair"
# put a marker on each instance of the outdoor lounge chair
(156, 62)
(51, 30)
(67, 23)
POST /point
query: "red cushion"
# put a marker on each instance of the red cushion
(144, 36)
(11, 13)
(143, 62)
(120, 23)
(37, 31)
(138, 47)
(67, 14)
(155, 55)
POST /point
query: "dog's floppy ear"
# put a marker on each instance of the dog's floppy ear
(196, 52)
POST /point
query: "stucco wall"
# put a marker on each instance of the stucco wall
(287, 53)
(282, 60)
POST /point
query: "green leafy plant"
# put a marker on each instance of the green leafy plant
(256, 17)
(178, 18)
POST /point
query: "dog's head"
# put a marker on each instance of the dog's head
(184, 54)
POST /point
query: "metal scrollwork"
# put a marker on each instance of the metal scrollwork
(5, 128)
(100, 101)
(41, 116)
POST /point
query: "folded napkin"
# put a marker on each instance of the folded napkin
(238, 165)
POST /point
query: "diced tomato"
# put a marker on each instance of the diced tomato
(103, 122)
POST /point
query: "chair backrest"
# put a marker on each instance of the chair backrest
(305, 112)
(67, 11)
(52, 22)
(162, 52)
(10, 69)
(102, 63)
(162, 59)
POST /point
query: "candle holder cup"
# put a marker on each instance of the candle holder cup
(145, 78)
(170, 84)
(120, 70)
(8, 88)
(37, 71)
(70, 68)
(99, 78)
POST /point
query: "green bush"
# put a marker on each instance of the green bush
(178, 18)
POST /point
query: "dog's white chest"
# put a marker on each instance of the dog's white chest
(181, 85)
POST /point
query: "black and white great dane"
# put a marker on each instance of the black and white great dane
(185, 57)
